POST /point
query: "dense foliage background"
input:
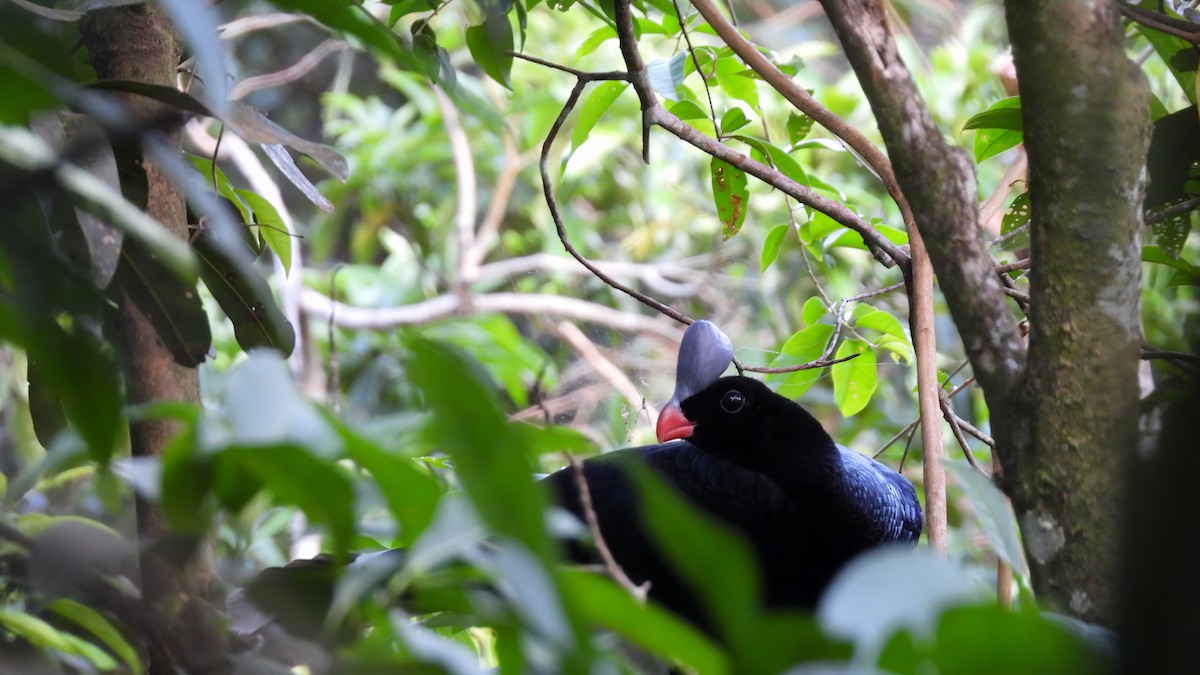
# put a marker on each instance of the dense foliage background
(392, 342)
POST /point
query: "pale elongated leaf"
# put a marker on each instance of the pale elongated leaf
(198, 23)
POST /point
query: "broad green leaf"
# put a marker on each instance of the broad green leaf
(271, 227)
(804, 346)
(772, 244)
(730, 194)
(593, 108)
(998, 128)
(1170, 48)
(494, 467)
(1156, 254)
(732, 120)
(594, 40)
(491, 42)
(1004, 114)
(96, 624)
(701, 551)
(854, 381)
(995, 514)
(172, 306)
(411, 494)
(687, 110)
(601, 602)
(883, 322)
(732, 81)
(778, 158)
(814, 309)
(216, 179)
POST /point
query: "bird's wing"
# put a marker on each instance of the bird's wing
(884, 496)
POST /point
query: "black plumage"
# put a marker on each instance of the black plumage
(763, 466)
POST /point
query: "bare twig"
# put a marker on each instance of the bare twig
(1172, 211)
(1022, 264)
(506, 182)
(446, 306)
(603, 367)
(1180, 28)
(290, 74)
(589, 515)
(464, 209)
(251, 24)
(953, 420)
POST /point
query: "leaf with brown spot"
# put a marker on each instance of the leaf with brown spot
(730, 194)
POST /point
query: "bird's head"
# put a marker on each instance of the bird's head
(741, 420)
(704, 354)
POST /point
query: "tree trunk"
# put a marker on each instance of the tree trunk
(1086, 125)
(137, 42)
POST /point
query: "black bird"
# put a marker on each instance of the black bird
(760, 464)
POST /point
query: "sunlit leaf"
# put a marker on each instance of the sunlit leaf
(802, 347)
(854, 381)
(593, 108)
(96, 624)
(491, 42)
(271, 227)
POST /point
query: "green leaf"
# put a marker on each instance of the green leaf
(1004, 114)
(172, 306)
(599, 601)
(594, 40)
(883, 322)
(995, 514)
(804, 346)
(700, 551)
(778, 158)
(488, 458)
(772, 244)
(687, 110)
(1169, 48)
(732, 81)
(271, 227)
(1156, 254)
(799, 126)
(215, 178)
(491, 42)
(243, 294)
(999, 128)
(593, 108)
(814, 309)
(730, 194)
(411, 494)
(96, 624)
(854, 381)
(1015, 217)
(732, 120)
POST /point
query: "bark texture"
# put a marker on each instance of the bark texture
(137, 42)
(1087, 130)
(1065, 413)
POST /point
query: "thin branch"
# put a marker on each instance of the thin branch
(589, 515)
(446, 306)
(819, 363)
(251, 24)
(1022, 264)
(1180, 28)
(604, 368)
(1172, 211)
(953, 420)
(1020, 296)
(561, 228)
(506, 182)
(290, 74)
(465, 204)
(580, 74)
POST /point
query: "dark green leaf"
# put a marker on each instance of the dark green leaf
(243, 294)
(730, 194)
(494, 467)
(491, 42)
(601, 602)
(173, 307)
(1015, 217)
(799, 126)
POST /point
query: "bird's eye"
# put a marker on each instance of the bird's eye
(733, 401)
